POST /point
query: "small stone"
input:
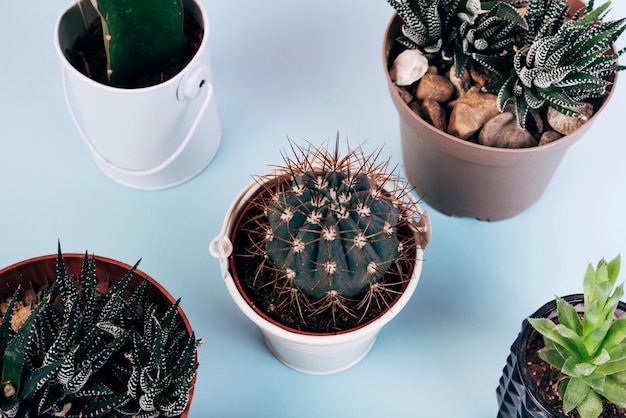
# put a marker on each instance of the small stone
(434, 114)
(567, 124)
(549, 136)
(408, 67)
(435, 87)
(405, 95)
(503, 131)
(471, 112)
(481, 76)
(415, 107)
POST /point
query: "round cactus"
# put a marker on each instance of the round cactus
(332, 223)
(331, 232)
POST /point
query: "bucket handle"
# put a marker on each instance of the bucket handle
(189, 88)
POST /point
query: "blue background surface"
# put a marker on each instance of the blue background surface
(304, 70)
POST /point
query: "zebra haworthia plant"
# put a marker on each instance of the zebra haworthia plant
(589, 351)
(83, 352)
(333, 227)
(541, 54)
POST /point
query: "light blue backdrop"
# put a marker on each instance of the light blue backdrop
(304, 70)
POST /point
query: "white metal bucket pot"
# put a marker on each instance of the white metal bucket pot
(307, 353)
(146, 138)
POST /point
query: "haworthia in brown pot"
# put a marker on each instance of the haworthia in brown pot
(536, 71)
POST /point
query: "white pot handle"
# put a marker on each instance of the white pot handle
(221, 248)
(188, 89)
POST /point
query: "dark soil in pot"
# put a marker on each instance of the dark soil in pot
(257, 283)
(88, 55)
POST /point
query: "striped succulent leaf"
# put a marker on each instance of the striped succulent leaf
(489, 37)
(563, 69)
(163, 366)
(426, 22)
(68, 358)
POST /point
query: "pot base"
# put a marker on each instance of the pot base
(319, 363)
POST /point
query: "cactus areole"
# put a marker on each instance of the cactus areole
(327, 240)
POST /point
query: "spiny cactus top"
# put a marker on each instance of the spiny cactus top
(332, 223)
(333, 231)
(591, 352)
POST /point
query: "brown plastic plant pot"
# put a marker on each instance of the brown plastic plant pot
(40, 272)
(464, 179)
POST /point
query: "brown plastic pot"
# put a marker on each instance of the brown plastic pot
(41, 272)
(517, 394)
(463, 179)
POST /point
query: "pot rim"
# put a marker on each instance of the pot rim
(403, 108)
(221, 248)
(199, 12)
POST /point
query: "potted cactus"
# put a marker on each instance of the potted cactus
(570, 356)
(124, 61)
(102, 339)
(320, 253)
(494, 93)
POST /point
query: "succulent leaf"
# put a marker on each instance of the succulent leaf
(55, 363)
(13, 357)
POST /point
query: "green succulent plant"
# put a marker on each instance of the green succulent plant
(331, 228)
(590, 351)
(562, 63)
(140, 35)
(542, 57)
(83, 352)
(458, 29)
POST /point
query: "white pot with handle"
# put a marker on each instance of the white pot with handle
(145, 138)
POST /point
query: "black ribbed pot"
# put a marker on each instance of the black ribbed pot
(517, 394)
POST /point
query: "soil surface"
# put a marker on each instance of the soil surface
(546, 379)
(263, 288)
(88, 55)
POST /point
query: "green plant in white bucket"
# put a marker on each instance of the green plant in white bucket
(140, 35)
